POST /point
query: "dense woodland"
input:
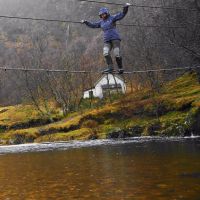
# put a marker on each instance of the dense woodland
(172, 42)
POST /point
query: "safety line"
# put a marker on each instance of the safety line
(139, 6)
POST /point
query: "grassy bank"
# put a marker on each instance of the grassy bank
(174, 111)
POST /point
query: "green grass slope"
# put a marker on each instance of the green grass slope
(174, 111)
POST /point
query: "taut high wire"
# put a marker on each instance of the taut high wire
(97, 72)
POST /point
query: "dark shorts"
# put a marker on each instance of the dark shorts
(113, 44)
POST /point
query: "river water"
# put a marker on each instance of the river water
(139, 168)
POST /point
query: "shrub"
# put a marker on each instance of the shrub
(90, 124)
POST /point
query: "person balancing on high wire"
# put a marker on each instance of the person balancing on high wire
(112, 38)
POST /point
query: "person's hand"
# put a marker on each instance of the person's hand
(127, 5)
(83, 21)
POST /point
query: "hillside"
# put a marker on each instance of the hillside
(52, 38)
(174, 111)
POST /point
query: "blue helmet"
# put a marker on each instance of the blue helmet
(103, 11)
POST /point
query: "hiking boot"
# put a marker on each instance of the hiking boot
(120, 71)
(108, 70)
(108, 60)
(119, 62)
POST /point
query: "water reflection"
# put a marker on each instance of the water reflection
(132, 170)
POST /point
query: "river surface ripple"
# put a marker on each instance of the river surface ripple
(50, 146)
(137, 168)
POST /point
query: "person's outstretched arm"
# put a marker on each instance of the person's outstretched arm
(122, 14)
(92, 24)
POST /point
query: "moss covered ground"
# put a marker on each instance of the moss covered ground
(173, 111)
